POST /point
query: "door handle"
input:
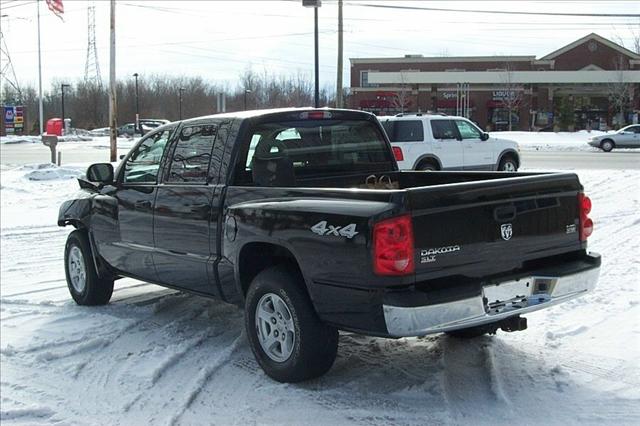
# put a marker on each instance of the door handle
(142, 204)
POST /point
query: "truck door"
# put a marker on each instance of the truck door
(446, 144)
(135, 196)
(478, 154)
(184, 219)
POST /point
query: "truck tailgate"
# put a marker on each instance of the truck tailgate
(476, 229)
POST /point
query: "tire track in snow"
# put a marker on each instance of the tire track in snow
(205, 375)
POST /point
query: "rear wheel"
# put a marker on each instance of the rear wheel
(85, 287)
(508, 164)
(288, 339)
(427, 165)
(607, 145)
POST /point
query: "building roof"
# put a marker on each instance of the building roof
(421, 59)
(596, 37)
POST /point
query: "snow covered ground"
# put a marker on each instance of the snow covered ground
(157, 356)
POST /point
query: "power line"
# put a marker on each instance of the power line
(500, 12)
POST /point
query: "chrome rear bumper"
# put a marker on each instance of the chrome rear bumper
(496, 302)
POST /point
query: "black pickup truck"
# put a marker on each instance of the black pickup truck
(301, 217)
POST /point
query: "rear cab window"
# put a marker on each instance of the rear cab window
(191, 155)
(279, 153)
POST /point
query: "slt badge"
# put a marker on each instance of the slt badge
(506, 231)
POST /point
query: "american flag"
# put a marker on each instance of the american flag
(56, 7)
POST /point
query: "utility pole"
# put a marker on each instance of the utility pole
(339, 100)
(40, 111)
(113, 120)
(315, 4)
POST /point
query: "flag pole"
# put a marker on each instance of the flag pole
(40, 112)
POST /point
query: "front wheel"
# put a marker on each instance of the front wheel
(85, 286)
(508, 164)
(606, 145)
(286, 336)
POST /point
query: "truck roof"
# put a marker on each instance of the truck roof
(274, 111)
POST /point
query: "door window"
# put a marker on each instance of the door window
(143, 164)
(443, 129)
(468, 130)
(192, 154)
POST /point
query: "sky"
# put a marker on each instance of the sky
(219, 40)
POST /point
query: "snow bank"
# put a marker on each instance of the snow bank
(551, 141)
(49, 171)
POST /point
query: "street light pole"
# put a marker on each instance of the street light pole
(317, 72)
(315, 4)
(137, 106)
(180, 90)
(246, 91)
(62, 86)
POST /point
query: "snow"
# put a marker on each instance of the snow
(158, 356)
(552, 141)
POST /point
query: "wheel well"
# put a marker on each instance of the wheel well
(256, 257)
(429, 160)
(607, 140)
(510, 154)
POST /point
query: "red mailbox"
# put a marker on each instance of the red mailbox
(54, 126)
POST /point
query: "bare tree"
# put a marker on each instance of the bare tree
(513, 98)
(401, 98)
(620, 90)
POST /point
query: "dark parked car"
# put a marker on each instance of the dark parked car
(301, 217)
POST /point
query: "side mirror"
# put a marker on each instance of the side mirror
(484, 136)
(100, 172)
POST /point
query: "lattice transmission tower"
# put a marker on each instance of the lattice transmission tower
(91, 67)
(7, 72)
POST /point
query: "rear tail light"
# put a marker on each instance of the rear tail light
(397, 153)
(393, 247)
(586, 224)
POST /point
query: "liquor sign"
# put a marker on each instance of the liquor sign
(501, 95)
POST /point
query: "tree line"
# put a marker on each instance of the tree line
(87, 104)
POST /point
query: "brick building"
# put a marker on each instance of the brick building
(590, 83)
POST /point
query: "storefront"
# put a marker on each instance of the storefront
(592, 83)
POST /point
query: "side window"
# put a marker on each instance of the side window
(467, 130)
(192, 154)
(407, 131)
(443, 129)
(142, 166)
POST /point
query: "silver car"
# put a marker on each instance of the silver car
(627, 137)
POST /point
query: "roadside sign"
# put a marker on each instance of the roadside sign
(13, 117)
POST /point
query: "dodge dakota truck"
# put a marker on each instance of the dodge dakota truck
(302, 218)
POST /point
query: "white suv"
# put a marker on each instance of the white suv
(441, 142)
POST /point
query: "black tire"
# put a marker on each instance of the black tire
(96, 290)
(427, 165)
(315, 344)
(607, 145)
(508, 164)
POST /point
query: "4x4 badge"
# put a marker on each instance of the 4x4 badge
(506, 231)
